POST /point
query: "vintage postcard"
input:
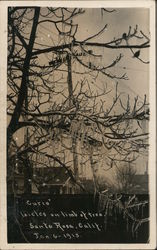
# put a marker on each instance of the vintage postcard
(77, 109)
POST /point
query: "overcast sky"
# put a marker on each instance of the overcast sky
(118, 23)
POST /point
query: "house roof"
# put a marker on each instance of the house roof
(52, 175)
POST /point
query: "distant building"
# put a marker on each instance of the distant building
(52, 180)
(140, 184)
(16, 186)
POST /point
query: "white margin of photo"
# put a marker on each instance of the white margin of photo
(3, 118)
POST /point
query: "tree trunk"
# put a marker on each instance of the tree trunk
(94, 176)
(27, 176)
(12, 127)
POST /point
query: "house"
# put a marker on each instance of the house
(16, 185)
(140, 183)
(52, 180)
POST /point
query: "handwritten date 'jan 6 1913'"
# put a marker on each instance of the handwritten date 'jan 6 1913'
(68, 236)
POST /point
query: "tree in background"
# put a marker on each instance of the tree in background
(125, 178)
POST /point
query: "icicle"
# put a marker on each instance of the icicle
(106, 209)
(105, 222)
(102, 58)
(127, 224)
(138, 207)
(142, 210)
(102, 12)
(81, 165)
(132, 228)
(111, 208)
(115, 215)
(61, 137)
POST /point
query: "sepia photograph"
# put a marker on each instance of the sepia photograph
(78, 125)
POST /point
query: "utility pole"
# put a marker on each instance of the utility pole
(71, 102)
(27, 165)
(68, 59)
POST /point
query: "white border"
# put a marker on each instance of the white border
(152, 151)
